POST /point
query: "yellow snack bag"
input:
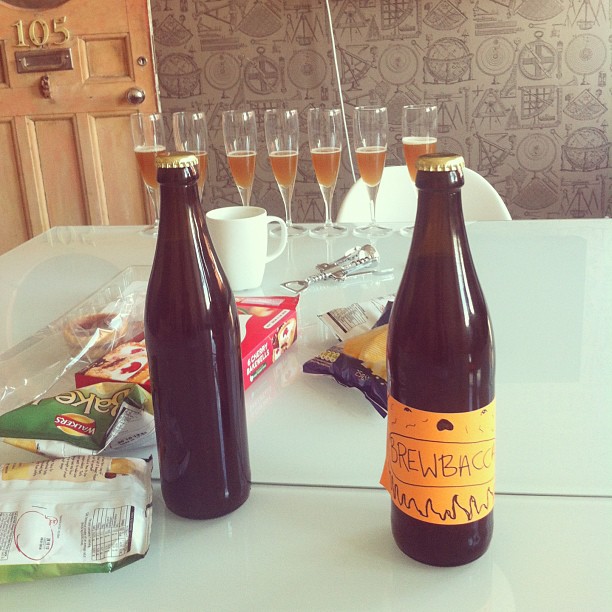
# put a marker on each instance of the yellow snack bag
(360, 362)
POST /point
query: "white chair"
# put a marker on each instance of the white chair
(397, 197)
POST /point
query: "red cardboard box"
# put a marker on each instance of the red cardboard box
(268, 327)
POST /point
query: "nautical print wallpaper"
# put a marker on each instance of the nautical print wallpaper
(523, 87)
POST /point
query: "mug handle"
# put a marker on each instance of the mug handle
(283, 237)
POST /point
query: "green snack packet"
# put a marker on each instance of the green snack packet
(73, 515)
(88, 419)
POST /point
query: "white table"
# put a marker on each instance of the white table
(549, 298)
(549, 289)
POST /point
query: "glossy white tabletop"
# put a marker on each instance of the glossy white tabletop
(549, 289)
(310, 548)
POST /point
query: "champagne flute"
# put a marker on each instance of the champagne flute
(370, 127)
(419, 136)
(282, 128)
(325, 140)
(240, 137)
(191, 134)
(149, 140)
(419, 133)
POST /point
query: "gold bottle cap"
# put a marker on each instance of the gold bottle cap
(440, 162)
(180, 159)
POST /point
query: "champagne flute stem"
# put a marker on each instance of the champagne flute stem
(245, 195)
(287, 195)
(372, 193)
(154, 199)
(328, 194)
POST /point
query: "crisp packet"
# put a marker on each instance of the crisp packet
(74, 515)
(86, 421)
(357, 318)
(359, 362)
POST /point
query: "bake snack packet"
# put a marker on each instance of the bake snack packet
(86, 421)
(73, 515)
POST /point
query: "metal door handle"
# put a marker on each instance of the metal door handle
(135, 95)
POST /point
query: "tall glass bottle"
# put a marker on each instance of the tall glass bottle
(193, 344)
(439, 467)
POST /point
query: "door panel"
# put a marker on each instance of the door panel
(65, 130)
(107, 57)
(13, 228)
(63, 191)
(124, 203)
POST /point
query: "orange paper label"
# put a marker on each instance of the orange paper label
(440, 467)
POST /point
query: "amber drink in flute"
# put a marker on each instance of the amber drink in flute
(370, 127)
(419, 136)
(282, 128)
(325, 141)
(149, 140)
(419, 133)
(414, 147)
(242, 167)
(191, 135)
(240, 138)
(284, 166)
(145, 156)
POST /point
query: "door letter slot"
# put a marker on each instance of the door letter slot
(43, 60)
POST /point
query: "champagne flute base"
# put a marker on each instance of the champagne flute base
(407, 231)
(151, 230)
(372, 231)
(293, 230)
(328, 231)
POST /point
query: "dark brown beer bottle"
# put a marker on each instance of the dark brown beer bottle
(439, 468)
(193, 344)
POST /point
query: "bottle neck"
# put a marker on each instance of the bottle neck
(179, 202)
(439, 224)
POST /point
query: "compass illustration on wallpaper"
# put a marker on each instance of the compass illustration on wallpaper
(261, 74)
(537, 59)
(585, 55)
(536, 152)
(398, 64)
(222, 71)
(306, 69)
(495, 56)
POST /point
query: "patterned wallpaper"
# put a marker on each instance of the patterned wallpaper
(523, 86)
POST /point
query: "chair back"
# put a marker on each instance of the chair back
(397, 198)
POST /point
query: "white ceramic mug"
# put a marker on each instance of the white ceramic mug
(240, 238)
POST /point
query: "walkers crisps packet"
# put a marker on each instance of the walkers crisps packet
(74, 515)
(86, 421)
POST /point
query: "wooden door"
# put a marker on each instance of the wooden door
(66, 154)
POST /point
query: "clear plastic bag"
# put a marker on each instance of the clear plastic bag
(46, 363)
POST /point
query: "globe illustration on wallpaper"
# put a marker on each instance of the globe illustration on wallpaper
(448, 61)
(586, 149)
